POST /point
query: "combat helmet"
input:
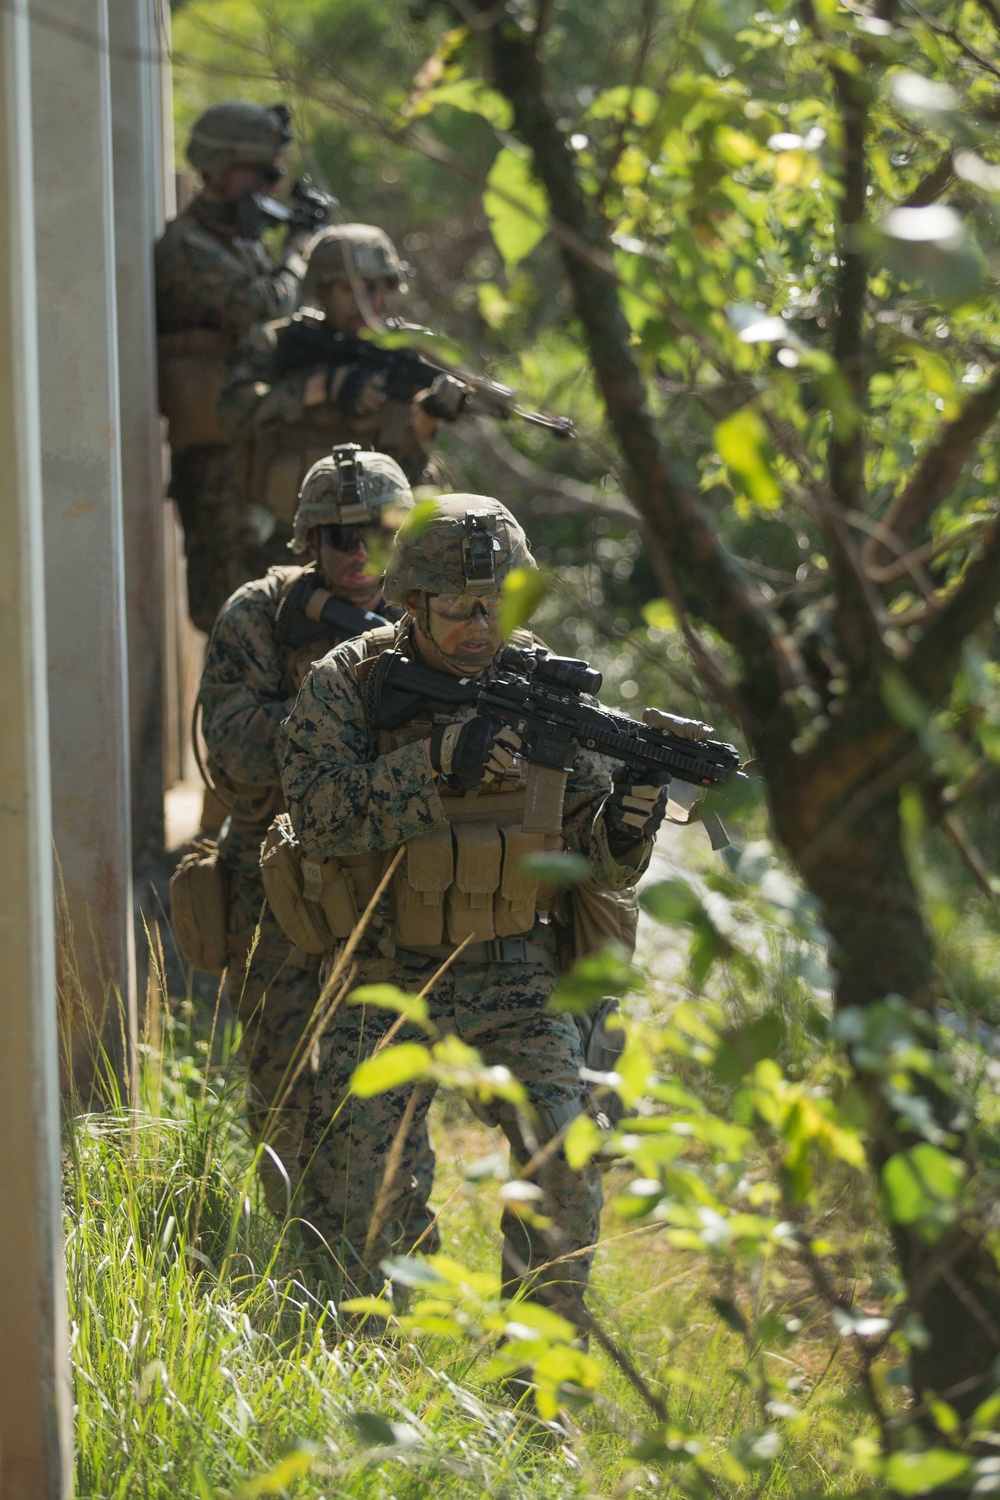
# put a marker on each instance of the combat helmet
(348, 252)
(350, 487)
(468, 546)
(237, 132)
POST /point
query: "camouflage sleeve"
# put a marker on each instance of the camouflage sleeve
(255, 394)
(587, 787)
(340, 800)
(236, 294)
(241, 688)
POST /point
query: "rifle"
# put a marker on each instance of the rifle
(309, 612)
(308, 340)
(542, 699)
(309, 209)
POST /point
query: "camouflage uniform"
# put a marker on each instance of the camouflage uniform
(349, 797)
(248, 683)
(259, 651)
(263, 402)
(210, 282)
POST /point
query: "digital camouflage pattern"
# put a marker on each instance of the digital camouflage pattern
(346, 799)
(345, 251)
(387, 495)
(208, 280)
(247, 686)
(201, 482)
(431, 560)
(498, 1008)
(263, 403)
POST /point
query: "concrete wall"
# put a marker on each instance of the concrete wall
(84, 541)
(35, 1396)
(138, 28)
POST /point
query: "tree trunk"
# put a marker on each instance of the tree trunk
(880, 946)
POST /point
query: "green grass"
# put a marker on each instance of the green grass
(204, 1358)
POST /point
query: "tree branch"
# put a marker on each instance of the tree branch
(855, 616)
(931, 665)
(681, 537)
(937, 472)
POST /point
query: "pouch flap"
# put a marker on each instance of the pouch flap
(477, 858)
(518, 884)
(430, 861)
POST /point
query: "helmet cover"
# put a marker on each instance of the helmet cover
(237, 132)
(351, 487)
(349, 252)
(468, 546)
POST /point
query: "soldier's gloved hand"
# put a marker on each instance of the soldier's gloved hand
(460, 752)
(632, 812)
(504, 751)
(445, 398)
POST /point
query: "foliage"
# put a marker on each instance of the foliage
(752, 252)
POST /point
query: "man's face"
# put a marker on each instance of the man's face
(352, 560)
(465, 629)
(340, 305)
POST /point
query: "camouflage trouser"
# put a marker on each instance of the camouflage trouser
(222, 547)
(274, 996)
(201, 483)
(359, 1216)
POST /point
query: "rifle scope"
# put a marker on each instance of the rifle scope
(558, 671)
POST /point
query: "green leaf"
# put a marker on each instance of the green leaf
(411, 1270)
(740, 1047)
(557, 868)
(932, 245)
(742, 444)
(625, 103)
(389, 1069)
(389, 997)
(523, 591)
(730, 1314)
(287, 1469)
(473, 97)
(919, 1473)
(660, 614)
(373, 1307)
(374, 1430)
(672, 902)
(494, 307)
(516, 205)
(921, 1186)
(594, 977)
(582, 1142)
(417, 520)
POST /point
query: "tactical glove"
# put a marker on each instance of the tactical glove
(632, 812)
(504, 751)
(445, 398)
(461, 753)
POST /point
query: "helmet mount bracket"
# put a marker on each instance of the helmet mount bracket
(479, 547)
(351, 491)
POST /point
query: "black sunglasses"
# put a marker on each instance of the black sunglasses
(344, 538)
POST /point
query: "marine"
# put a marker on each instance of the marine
(299, 384)
(263, 642)
(214, 280)
(451, 794)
